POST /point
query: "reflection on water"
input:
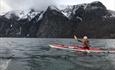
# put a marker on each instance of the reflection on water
(35, 54)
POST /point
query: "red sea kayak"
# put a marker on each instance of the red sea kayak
(81, 49)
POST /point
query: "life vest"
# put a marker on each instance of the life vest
(85, 43)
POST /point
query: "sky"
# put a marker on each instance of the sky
(8, 5)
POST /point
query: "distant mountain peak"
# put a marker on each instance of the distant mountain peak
(25, 14)
(52, 7)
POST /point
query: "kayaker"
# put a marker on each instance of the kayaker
(85, 42)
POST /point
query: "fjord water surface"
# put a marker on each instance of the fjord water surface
(35, 54)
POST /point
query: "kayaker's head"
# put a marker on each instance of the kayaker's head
(85, 37)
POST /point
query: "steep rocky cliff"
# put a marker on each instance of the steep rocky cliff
(54, 24)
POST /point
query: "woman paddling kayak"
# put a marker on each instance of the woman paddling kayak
(85, 42)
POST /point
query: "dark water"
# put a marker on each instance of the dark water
(35, 54)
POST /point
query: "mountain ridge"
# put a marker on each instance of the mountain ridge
(91, 19)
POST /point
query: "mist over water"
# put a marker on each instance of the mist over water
(35, 54)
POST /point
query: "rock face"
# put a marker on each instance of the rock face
(54, 24)
(92, 19)
(4, 26)
(24, 25)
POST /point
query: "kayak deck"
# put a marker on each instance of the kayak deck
(81, 49)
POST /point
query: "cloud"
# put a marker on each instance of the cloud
(26, 4)
(43, 4)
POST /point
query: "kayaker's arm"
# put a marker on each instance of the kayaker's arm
(79, 40)
(75, 37)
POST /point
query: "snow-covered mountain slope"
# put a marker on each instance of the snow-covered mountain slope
(26, 14)
(68, 10)
(72, 9)
(112, 13)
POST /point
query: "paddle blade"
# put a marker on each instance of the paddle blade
(75, 37)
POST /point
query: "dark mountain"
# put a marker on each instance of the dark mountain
(18, 24)
(4, 26)
(92, 19)
(54, 24)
